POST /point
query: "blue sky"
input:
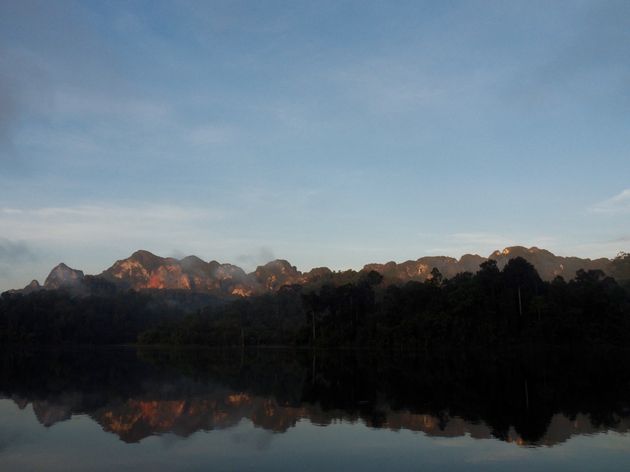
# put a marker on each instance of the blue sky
(327, 133)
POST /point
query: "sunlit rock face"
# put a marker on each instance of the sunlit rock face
(138, 270)
(146, 271)
(278, 273)
(63, 276)
(548, 264)
(420, 270)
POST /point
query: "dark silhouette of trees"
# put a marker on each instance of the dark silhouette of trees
(56, 317)
(620, 269)
(519, 391)
(493, 307)
(436, 277)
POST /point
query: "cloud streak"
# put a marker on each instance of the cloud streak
(619, 204)
(98, 223)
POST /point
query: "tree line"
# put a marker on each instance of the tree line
(508, 391)
(508, 306)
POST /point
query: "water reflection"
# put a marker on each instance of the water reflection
(531, 399)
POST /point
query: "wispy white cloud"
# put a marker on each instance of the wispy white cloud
(618, 204)
(90, 237)
(80, 102)
(401, 86)
(94, 128)
(98, 223)
(481, 238)
(383, 86)
(209, 134)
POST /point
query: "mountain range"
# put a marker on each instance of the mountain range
(146, 271)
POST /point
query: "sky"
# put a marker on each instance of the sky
(328, 133)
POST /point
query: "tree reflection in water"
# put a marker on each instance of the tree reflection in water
(529, 398)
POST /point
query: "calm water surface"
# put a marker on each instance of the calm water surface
(128, 409)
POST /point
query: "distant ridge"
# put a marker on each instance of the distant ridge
(144, 270)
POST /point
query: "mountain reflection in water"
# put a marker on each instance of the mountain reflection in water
(531, 399)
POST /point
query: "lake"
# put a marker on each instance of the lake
(275, 409)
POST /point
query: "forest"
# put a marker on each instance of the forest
(519, 390)
(511, 306)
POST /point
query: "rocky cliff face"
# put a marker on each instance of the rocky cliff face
(62, 276)
(420, 269)
(278, 273)
(547, 264)
(145, 271)
(34, 286)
